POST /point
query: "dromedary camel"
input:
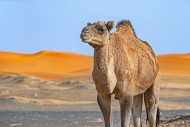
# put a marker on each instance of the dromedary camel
(125, 66)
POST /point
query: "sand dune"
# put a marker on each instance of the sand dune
(175, 64)
(60, 65)
(46, 64)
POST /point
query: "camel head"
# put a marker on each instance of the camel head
(96, 34)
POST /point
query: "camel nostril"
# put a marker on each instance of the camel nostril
(83, 35)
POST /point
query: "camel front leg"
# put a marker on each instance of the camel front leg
(137, 110)
(104, 102)
(126, 104)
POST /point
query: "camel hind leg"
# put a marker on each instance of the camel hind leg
(151, 98)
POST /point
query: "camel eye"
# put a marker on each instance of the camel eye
(100, 29)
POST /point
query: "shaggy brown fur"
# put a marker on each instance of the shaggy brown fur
(125, 23)
(125, 66)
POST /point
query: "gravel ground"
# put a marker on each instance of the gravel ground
(81, 119)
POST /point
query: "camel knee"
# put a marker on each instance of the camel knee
(151, 103)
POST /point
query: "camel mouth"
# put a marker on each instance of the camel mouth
(85, 38)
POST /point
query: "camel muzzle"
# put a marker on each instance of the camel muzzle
(85, 37)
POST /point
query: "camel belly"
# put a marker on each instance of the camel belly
(133, 87)
(121, 90)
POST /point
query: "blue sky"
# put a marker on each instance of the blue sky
(29, 26)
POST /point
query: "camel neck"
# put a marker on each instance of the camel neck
(102, 57)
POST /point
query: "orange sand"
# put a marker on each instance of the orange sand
(46, 64)
(175, 64)
(60, 65)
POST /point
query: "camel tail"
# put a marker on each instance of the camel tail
(158, 117)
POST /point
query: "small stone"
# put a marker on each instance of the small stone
(99, 120)
(35, 94)
(182, 122)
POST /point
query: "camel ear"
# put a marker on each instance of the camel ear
(110, 25)
(88, 24)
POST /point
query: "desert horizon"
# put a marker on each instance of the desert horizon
(55, 65)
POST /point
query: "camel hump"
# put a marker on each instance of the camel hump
(125, 25)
